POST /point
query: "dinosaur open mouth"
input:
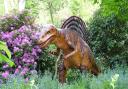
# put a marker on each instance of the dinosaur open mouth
(46, 40)
(43, 44)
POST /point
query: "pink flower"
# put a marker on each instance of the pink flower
(35, 63)
(19, 66)
(34, 52)
(17, 71)
(32, 60)
(5, 74)
(24, 59)
(16, 49)
(24, 71)
(5, 66)
(26, 80)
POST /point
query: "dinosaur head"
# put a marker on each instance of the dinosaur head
(48, 35)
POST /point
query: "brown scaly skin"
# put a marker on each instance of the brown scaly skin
(73, 57)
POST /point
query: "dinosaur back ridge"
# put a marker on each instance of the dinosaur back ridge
(77, 24)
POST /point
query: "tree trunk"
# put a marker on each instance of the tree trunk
(50, 11)
(12, 2)
(21, 5)
(6, 6)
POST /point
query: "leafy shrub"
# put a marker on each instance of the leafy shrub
(3, 58)
(116, 7)
(111, 79)
(109, 39)
(17, 82)
(21, 42)
(21, 36)
(15, 21)
(46, 62)
(34, 6)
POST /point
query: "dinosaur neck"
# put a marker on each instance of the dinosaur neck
(61, 43)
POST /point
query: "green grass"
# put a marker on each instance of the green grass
(111, 79)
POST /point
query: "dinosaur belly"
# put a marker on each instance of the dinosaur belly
(73, 61)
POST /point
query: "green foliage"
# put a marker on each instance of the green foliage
(109, 35)
(16, 20)
(17, 82)
(46, 82)
(117, 7)
(83, 8)
(45, 62)
(55, 4)
(111, 79)
(75, 6)
(33, 5)
(3, 58)
(52, 7)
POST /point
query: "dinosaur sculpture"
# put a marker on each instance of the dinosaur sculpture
(71, 39)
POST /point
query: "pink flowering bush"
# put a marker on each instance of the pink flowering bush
(5, 74)
(16, 20)
(25, 52)
(20, 34)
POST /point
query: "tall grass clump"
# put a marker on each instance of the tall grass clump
(110, 79)
(15, 82)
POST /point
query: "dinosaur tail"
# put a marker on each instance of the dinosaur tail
(77, 24)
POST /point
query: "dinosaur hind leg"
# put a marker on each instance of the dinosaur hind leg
(95, 70)
(82, 69)
(62, 74)
(92, 69)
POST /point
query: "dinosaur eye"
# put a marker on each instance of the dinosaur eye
(48, 32)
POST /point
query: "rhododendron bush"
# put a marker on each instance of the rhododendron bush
(14, 21)
(22, 43)
(20, 33)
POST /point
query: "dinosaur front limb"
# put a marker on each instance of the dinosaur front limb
(70, 54)
(76, 48)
